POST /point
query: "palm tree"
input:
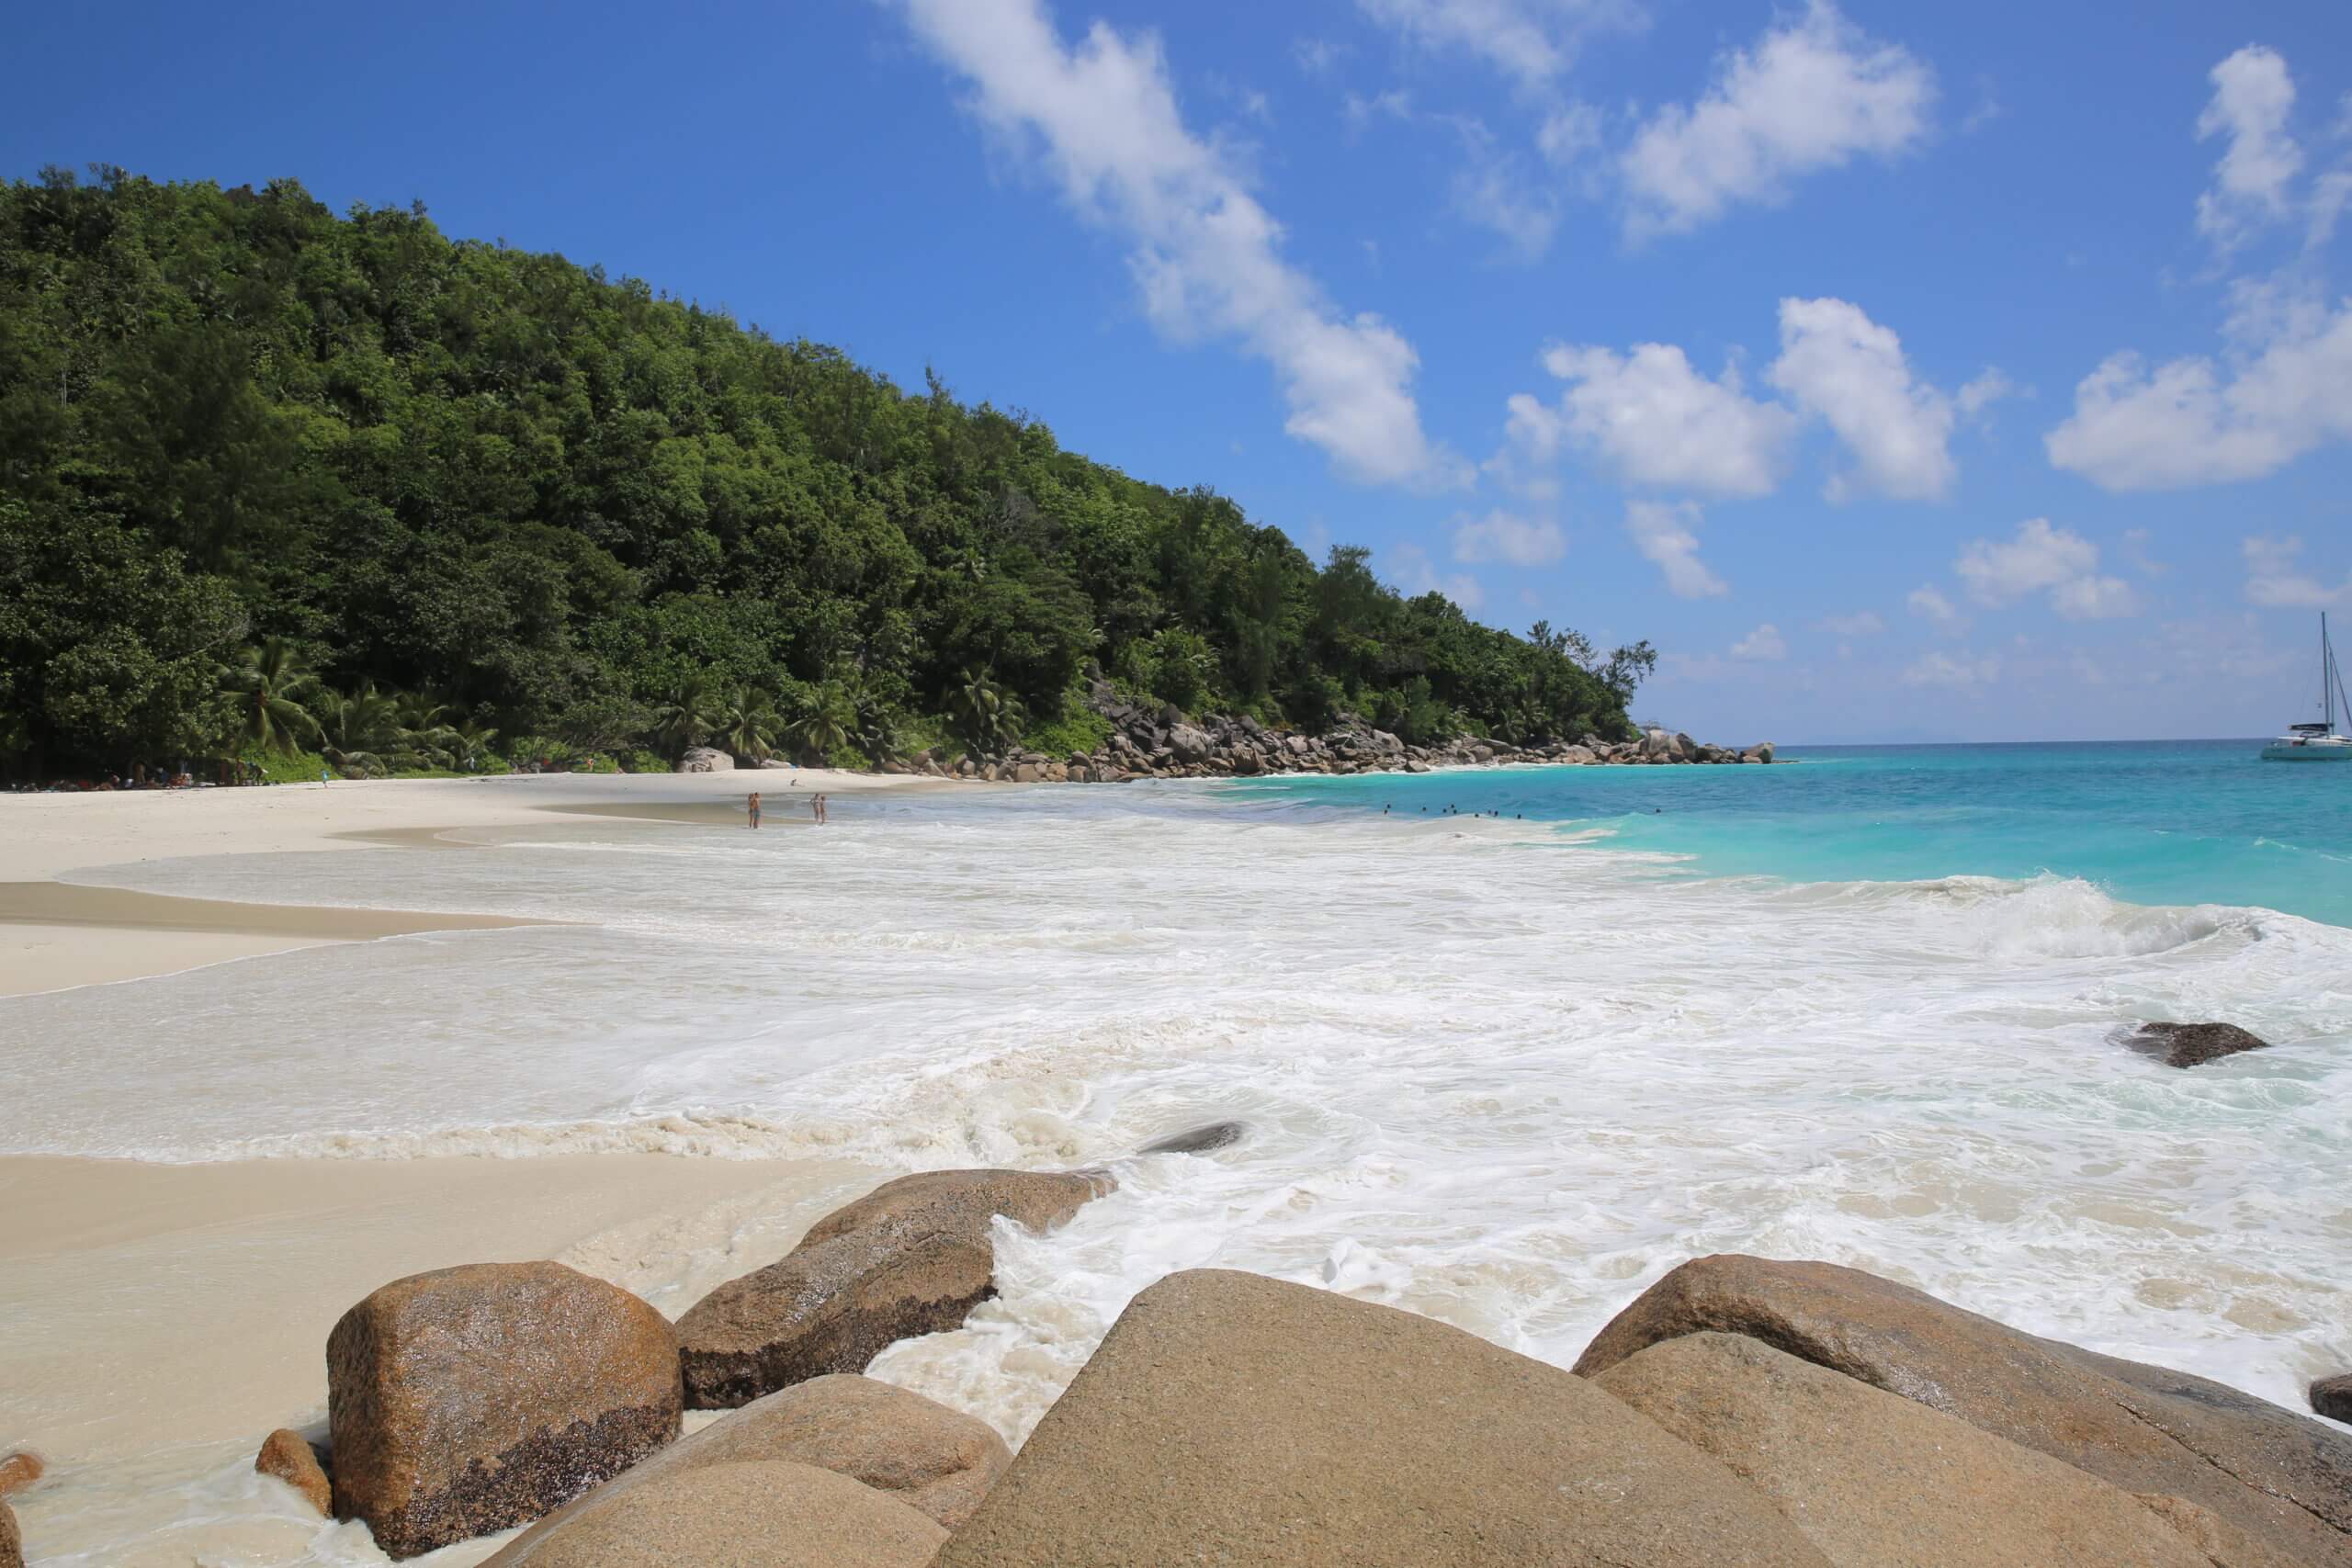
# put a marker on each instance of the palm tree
(469, 744)
(425, 734)
(687, 717)
(826, 723)
(270, 684)
(980, 707)
(361, 729)
(748, 723)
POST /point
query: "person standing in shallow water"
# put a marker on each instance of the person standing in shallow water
(754, 804)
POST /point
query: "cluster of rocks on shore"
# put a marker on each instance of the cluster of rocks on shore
(1741, 1410)
(1151, 740)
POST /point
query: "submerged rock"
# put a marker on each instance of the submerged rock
(772, 1514)
(1234, 1419)
(289, 1456)
(2279, 1478)
(1877, 1481)
(2332, 1397)
(20, 1469)
(2193, 1045)
(912, 1257)
(938, 1461)
(1198, 1140)
(474, 1399)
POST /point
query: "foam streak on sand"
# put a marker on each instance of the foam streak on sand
(1498, 1073)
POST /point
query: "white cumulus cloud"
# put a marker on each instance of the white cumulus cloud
(2275, 576)
(2040, 558)
(1764, 642)
(2193, 420)
(1663, 532)
(1812, 93)
(1100, 117)
(1505, 536)
(2253, 96)
(1655, 421)
(1838, 363)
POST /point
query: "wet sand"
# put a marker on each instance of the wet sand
(146, 1307)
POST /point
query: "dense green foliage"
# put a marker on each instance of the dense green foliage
(266, 473)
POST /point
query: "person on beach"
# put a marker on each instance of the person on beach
(754, 804)
(816, 808)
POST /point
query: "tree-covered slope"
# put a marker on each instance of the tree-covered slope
(476, 487)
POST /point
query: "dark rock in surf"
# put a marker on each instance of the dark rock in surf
(1198, 1140)
(2194, 1044)
(912, 1257)
(2332, 1397)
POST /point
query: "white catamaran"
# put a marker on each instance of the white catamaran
(2318, 742)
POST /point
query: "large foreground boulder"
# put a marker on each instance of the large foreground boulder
(938, 1461)
(912, 1257)
(1238, 1420)
(706, 759)
(12, 1544)
(1877, 1481)
(745, 1514)
(474, 1399)
(2281, 1479)
(2194, 1044)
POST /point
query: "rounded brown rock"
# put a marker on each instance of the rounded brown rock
(473, 1399)
(2283, 1480)
(912, 1257)
(1878, 1481)
(20, 1469)
(768, 1514)
(1232, 1420)
(289, 1456)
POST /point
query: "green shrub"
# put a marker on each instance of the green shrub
(286, 767)
(641, 761)
(1084, 731)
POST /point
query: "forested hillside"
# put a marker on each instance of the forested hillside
(274, 480)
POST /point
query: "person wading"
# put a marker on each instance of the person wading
(755, 808)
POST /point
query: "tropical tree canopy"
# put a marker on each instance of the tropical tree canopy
(252, 451)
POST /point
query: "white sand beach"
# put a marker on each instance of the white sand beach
(149, 1308)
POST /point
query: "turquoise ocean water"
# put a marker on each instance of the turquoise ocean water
(2148, 822)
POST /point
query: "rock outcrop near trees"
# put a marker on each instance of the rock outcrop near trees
(1878, 1481)
(1234, 1419)
(1156, 741)
(473, 1399)
(912, 1257)
(2276, 1480)
(2194, 1044)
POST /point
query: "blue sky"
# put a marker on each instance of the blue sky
(1899, 371)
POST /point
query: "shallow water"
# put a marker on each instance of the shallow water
(1502, 1072)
